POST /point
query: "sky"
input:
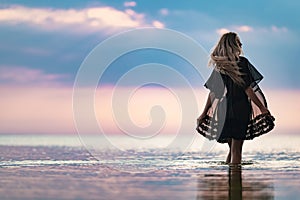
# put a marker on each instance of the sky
(44, 43)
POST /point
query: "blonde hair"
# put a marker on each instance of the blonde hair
(225, 56)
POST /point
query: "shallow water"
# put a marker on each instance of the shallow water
(66, 170)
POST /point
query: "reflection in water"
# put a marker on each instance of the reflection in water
(234, 185)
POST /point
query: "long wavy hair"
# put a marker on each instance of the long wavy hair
(225, 57)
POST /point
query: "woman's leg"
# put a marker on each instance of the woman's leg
(236, 151)
(228, 159)
(241, 149)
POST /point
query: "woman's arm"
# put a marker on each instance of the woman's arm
(249, 91)
(207, 106)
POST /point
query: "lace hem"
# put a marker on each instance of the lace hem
(260, 125)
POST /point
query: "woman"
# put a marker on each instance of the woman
(236, 109)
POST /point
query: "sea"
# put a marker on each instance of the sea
(69, 167)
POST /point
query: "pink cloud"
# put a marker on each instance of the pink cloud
(242, 28)
(277, 29)
(246, 29)
(22, 75)
(158, 24)
(36, 51)
(222, 31)
(164, 11)
(130, 4)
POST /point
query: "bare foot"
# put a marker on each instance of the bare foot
(235, 166)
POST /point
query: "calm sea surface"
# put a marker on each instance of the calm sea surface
(61, 167)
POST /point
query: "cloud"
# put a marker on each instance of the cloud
(243, 28)
(222, 31)
(92, 19)
(246, 28)
(164, 11)
(277, 29)
(130, 4)
(36, 51)
(158, 24)
(25, 76)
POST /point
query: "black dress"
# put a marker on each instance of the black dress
(233, 114)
